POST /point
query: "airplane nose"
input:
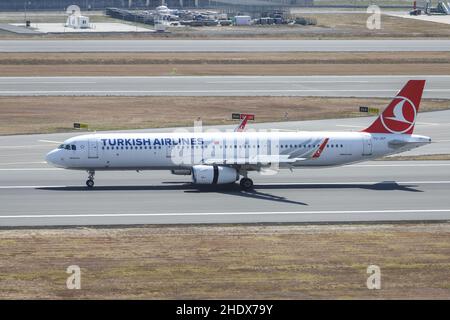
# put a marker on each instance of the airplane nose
(53, 158)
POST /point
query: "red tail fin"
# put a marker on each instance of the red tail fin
(400, 115)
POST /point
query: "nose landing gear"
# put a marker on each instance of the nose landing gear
(90, 180)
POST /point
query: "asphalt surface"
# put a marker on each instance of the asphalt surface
(222, 45)
(34, 194)
(335, 86)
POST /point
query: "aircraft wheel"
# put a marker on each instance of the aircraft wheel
(90, 183)
(246, 183)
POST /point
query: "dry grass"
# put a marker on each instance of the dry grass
(256, 262)
(224, 58)
(156, 64)
(57, 114)
(223, 69)
(354, 25)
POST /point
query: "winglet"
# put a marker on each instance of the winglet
(320, 149)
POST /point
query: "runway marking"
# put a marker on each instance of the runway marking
(50, 141)
(353, 182)
(44, 216)
(30, 81)
(21, 154)
(349, 126)
(401, 165)
(13, 163)
(25, 146)
(29, 169)
(293, 81)
(262, 184)
(265, 91)
(427, 123)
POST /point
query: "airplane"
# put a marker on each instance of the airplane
(213, 158)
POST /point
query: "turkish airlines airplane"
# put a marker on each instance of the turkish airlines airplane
(225, 157)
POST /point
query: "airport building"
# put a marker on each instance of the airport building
(20, 5)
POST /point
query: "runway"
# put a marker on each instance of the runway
(368, 192)
(327, 86)
(34, 194)
(223, 45)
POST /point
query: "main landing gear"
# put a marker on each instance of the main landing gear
(90, 180)
(246, 183)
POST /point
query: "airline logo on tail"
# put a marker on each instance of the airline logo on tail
(401, 118)
(400, 115)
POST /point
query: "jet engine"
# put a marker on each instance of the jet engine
(204, 174)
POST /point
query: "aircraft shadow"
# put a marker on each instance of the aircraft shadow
(234, 189)
(189, 187)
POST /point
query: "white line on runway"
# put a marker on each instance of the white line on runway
(25, 146)
(13, 163)
(268, 184)
(293, 81)
(350, 183)
(266, 91)
(50, 141)
(220, 213)
(21, 154)
(349, 126)
(401, 165)
(427, 123)
(47, 82)
(29, 169)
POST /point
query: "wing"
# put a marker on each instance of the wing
(262, 160)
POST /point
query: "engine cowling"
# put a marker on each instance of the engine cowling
(204, 174)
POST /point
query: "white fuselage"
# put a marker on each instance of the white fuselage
(153, 151)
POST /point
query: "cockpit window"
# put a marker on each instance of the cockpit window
(68, 146)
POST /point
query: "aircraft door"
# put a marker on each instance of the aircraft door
(92, 148)
(367, 145)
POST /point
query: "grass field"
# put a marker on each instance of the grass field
(228, 262)
(157, 64)
(163, 64)
(57, 114)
